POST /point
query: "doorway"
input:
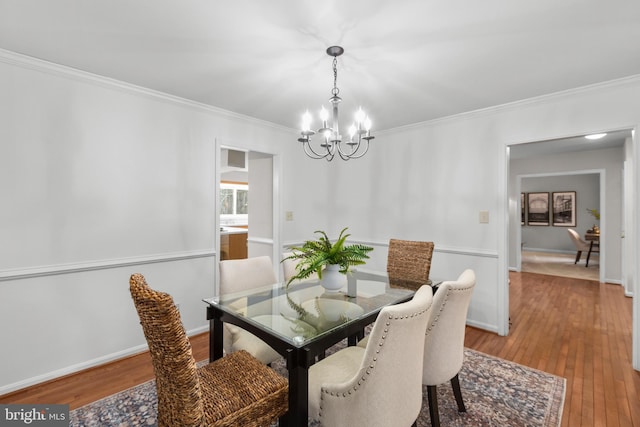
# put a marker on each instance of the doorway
(619, 199)
(546, 247)
(247, 198)
(563, 162)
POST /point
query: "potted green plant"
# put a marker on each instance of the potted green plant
(596, 214)
(327, 259)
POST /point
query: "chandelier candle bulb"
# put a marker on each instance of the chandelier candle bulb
(324, 115)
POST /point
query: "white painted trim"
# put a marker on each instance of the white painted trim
(635, 319)
(502, 287)
(482, 325)
(86, 365)
(50, 270)
(474, 252)
(260, 241)
(629, 80)
(40, 65)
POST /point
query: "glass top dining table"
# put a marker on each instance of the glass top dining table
(301, 321)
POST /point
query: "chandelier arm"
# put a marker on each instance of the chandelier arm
(309, 151)
(346, 155)
(353, 153)
(366, 148)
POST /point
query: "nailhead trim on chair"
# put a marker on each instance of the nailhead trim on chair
(446, 298)
(375, 359)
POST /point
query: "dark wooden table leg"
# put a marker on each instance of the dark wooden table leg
(298, 367)
(215, 334)
(355, 338)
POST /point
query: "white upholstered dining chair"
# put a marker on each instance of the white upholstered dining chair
(444, 339)
(378, 385)
(238, 275)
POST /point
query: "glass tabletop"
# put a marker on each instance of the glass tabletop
(304, 311)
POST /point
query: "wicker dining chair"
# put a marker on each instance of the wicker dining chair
(236, 390)
(408, 263)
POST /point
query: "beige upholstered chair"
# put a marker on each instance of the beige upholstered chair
(581, 245)
(408, 263)
(444, 340)
(378, 385)
(236, 390)
(238, 275)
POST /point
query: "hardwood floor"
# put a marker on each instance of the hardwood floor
(577, 329)
(98, 382)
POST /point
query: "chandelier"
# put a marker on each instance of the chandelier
(355, 145)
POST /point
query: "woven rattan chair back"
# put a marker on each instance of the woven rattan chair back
(408, 263)
(179, 394)
(237, 390)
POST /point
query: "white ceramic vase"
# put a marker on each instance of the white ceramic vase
(332, 279)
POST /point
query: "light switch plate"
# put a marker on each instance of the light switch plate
(288, 215)
(484, 217)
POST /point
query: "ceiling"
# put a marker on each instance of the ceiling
(405, 61)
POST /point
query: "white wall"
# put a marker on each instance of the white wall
(99, 180)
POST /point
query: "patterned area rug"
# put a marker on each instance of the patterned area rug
(496, 392)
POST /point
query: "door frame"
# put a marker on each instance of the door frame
(276, 201)
(633, 272)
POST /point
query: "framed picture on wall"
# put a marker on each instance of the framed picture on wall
(564, 208)
(523, 203)
(538, 208)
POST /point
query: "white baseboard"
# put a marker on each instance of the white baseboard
(85, 365)
(482, 325)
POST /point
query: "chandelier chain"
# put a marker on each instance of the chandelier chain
(335, 91)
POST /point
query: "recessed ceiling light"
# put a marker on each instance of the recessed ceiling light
(596, 136)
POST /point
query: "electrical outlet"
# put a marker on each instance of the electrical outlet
(289, 215)
(484, 217)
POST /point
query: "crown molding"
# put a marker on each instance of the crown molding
(29, 62)
(629, 80)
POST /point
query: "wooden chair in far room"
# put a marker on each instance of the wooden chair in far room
(236, 390)
(408, 263)
(378, 385)
(238, 275)
(444, 340)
